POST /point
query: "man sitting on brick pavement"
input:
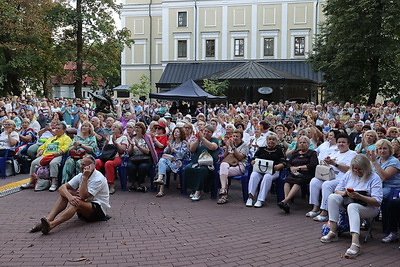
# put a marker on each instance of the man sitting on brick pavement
(90, 202)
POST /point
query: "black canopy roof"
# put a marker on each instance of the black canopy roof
(187, 91)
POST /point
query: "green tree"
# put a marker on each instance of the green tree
(98, 44)
(358, 49)
(25, 44)
(143, 88)
(215, 87)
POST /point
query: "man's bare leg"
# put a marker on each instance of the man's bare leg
(84, 208)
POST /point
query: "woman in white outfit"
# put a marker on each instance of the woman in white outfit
(364, 188)
(271, 152)
(340, 162)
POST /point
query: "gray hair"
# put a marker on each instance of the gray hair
(305, 138)
(362, 162)
(210, 128)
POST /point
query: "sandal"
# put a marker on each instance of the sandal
(392, 237)
(312, 214)
(328, 239)
(38, 227)
(132, 188)
(351, 253)
(45, 226)
(160, 194)
(222, 192)
(223, 199)
(321, 218)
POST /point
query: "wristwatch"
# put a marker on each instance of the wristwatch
(336, 165)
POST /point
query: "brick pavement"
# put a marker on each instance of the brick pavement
(173, 231)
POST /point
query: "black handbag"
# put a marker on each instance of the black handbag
(108, 153)
(142, 158)
(348, 200)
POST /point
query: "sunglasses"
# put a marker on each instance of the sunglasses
(159, 128)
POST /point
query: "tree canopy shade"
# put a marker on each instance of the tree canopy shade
(38, 37)
(187, 91)
(358, 49)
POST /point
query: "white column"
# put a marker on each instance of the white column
(166, 35)
(224, 33)
(254, 33)
(284, 32)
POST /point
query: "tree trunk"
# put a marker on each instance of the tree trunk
(374, 82)
(79, 49)
(11, 84)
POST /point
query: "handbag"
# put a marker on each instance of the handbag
(42, 184)
(348, 200)
(231, 160)
(205, 159)
(43, 172)
(325, 173)
(108, 153)
(46, 160)
(168, 157)
(142, 158)
(263, 166)
(77, 154)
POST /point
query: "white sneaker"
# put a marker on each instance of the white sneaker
(249, 202)
(196, 198)
(53, 188)
(258, 204)
(27, 186)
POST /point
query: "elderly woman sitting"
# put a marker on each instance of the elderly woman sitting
(234, 163)
(197, 177)
(27, 137)
(120, 141)
(360, 193)
(271, 152)
(9, 138)
(302, 168)
(387, 166)
(83, 143)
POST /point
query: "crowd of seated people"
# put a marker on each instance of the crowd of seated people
(209, 146)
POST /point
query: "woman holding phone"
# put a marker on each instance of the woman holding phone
(360, 193)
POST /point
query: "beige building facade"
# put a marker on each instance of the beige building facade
(168, 31)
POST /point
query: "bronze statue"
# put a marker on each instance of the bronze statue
(103, 100)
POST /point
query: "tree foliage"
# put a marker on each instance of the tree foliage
(26, 50)
(215, 87)
(143, 88)
(38, 37)
(358, 49)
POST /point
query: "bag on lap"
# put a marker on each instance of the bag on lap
(43, 172)
(263, 166)
(325, 173)
(108, 153)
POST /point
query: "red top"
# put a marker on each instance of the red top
(163, 139)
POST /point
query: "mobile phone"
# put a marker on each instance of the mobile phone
(351, 190)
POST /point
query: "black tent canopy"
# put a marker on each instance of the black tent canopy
(187, 91)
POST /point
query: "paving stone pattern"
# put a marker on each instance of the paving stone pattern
(173, 231)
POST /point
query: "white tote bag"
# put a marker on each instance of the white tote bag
(325, 173)
(263, 166)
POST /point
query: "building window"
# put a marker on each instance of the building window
(210, 48)
(268, 47)
(239, 47)
(182, 19)
(299, 46)
(182, 48)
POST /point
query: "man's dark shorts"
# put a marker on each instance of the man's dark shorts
(97, 214)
